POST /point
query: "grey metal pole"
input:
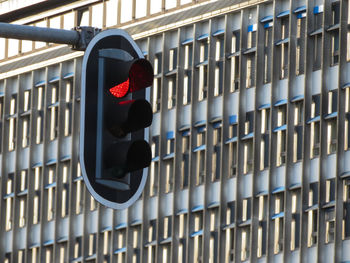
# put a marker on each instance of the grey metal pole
(44, 34)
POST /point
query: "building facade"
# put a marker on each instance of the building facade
(250, 136)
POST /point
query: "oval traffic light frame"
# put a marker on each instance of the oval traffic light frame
(109, 39)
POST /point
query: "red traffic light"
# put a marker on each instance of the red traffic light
(140, 76)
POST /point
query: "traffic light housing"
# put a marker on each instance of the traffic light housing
(115, 114)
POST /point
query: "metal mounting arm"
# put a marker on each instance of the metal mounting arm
(78, 38)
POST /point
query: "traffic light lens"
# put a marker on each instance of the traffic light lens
(140, 75)
(120, 90)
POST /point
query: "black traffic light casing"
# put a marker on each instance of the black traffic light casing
(115, 116)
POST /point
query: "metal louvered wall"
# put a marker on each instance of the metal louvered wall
(250, 142)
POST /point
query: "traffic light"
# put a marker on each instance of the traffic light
(115, 114)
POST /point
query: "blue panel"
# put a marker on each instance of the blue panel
(184, 127)
(269, 24)
(136, 222)
(186, 133)
(68, 75)
(318, 9)
(347, 85)
(264, 106)
(197, 208)
(202, 37)
(331, 115)
(233, 119)
(301, 15)
(39, 164)
(213, 205)
(294, 186)
(248, 136)
(283, 14)
(200, 123)
(198, 233)
(252, 28)
(40, 83)
(230, 140)
(54, 79)
(65, 158)
(145, 53)
(219, 32)
(120, 226)
(297, 98)
(345, 175)
(266, 19)
(279, 215)
(282, 41)
(182, 211)
(155, 159)
(170, 135)
(48, 243)
(261, 193)
(205, 62)
(281, 102)
(169, 156)
(278, 190)
(187, 41)
(217, 124)
(280, 128)
(317, 118)
(199, 148)
(120, 250)
(299, 9)
(51, 162)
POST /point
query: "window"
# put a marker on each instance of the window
(248, 143)
(330, 224)
(300, 52)
(346, 209)
(295, 223)
(250, 75)
(199, 152)
(197, 236)
(112, 12)
(267, 52)
(40, 114)
(284, 47)
(213, 242)
(68, 106)
(278, 223)
(262, 229)
(317, 36)
(97, 15)
(229, 232)
(182, 237)
(125, 11)
(235, 48)
(50, 184)
(65, 190)
(156, 6)
(154, 166)
(157, 84)
(12, 123)
(232, 163)
(312, 215)
(136, 240)
(9, 202)
(246, 209)
(25, 118)
(93, 204)
(48, 254)
(216, 158)
(53, 107)
(332, 122)
(92, 244)
(203, 69)
(281, 135)
(77, 247)
(63, 252)
(334, 29)
(78, 191)
(120, 242)
(298, 131)
(315, 127)
(171, 92)
(347, 119)
(245, 241)
(219, 65)
(140, 8)
(187, 74)
(185, 158)
(264, 143)
(36, 200)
